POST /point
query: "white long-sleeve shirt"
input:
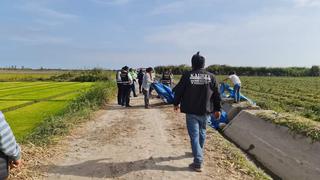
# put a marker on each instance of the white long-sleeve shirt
(147, 81)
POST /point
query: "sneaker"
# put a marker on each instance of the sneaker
(128, 106)
(195, 167)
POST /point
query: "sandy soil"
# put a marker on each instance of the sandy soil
(134, 143)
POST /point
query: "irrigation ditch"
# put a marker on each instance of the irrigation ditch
(279, 150)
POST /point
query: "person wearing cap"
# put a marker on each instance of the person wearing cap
(146, 84)
(10, 153)
(236, 85)
(126, 82)
(197, 96)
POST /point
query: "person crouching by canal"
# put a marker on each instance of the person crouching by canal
(236, 85)
(198, 94)
(146, 84)
(10, 153)
(126, 81)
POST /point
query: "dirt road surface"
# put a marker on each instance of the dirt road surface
(134, 143)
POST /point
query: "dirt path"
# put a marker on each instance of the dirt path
(133, 143)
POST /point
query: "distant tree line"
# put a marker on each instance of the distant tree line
(248, 71)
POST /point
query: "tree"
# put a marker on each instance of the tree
(315, 71)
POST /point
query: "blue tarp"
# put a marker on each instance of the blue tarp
(214, 123)
(164, 91)
(225, 87)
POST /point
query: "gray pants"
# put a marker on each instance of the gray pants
(146, 97)
(4, 170)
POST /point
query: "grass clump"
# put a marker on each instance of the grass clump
(232, 158)
(296, 124)
(76, 111)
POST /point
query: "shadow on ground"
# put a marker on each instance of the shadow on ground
(99, 168)
(116, 107)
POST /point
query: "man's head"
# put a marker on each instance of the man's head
(149, 69)
(125, 68)
(197, 61)
(232, 73)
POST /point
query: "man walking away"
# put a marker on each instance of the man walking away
(9, 149)
(126, 86)
(236, 85)
(119, 84)
(167, 78)
(133, 74)
(198, 94)
(140, 79)
(146, 83)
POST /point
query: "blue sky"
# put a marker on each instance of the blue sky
(137, 33)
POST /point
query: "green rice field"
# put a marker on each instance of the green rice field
(26, 104)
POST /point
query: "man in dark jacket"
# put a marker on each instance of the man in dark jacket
(198, 95)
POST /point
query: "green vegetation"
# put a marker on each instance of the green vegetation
(300, 96)
(72, 113)
(248, 71)
(296, 124)
(27, 105)
(93, 75)
(231, 157)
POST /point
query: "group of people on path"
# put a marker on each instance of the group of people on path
(197, 95)
(126, 81)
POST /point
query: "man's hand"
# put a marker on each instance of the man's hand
(176, 108)
(16, 163)
(217, 115)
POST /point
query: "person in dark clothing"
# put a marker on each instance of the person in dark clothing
(166, 78)
(140, 79)
(119, 85)
(126, 86)
(199, 97)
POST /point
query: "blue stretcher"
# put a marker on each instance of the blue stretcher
(215, 123)
(164, 91)
(225, 87)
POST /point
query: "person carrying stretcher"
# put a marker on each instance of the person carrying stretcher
(167, 78)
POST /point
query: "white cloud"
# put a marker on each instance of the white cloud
(307, 3)
(278, 38)
(173, 7)
(39, 39)
(43, 11)
(112, 2)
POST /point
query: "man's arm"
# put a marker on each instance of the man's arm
(179, 89)
(215, 98)
(8, 144)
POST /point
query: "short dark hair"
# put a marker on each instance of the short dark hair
(149, 69)
(232, 72)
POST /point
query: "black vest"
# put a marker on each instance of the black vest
(166, 78)
(124, 78)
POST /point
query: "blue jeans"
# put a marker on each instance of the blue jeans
(237, 92)
(196, 126)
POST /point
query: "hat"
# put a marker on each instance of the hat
(197, 61)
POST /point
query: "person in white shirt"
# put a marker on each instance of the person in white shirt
(236, 85)
(146, 84)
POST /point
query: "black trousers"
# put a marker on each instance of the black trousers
(119, 93)
(133, 88)
(140, 86)
(126, 89)
(4, 167)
